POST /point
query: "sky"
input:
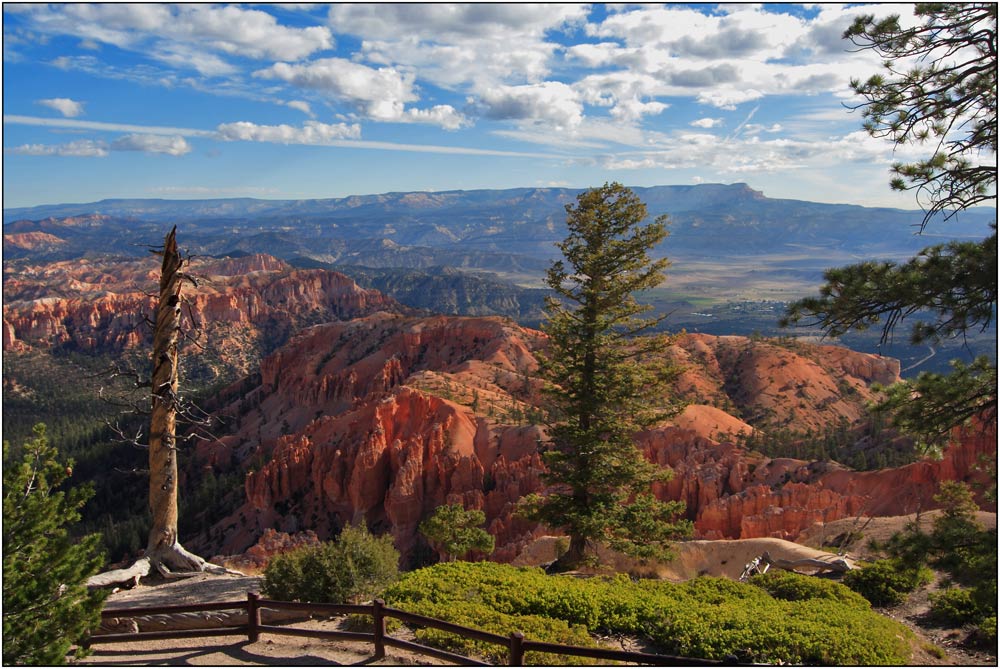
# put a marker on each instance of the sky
(296, 101)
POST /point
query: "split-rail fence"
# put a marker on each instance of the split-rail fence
(517, 645)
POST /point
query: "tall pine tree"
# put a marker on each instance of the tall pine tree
(605, 383)
(939, 88)
(46, 606)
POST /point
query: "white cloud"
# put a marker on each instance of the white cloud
(347, 143)
(99, 125)
(182, 56)
(301, 105)
(633, 109)
(707, 122)
(445, 116)
(81, 148)
(479, 45)
(64, 106)
(729, 98)
(381, 93)
(312, 132)
(551, 102)
(176, 29)
(89, 148)
(171, 145)
(751, 154)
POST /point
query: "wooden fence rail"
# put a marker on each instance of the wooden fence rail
(515, 643)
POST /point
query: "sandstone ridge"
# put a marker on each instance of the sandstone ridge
(383, 418)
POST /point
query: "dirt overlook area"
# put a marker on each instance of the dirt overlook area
(715, 558)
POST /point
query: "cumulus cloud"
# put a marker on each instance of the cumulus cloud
(552, 102)
(173, 29)
(456, 45)
(81, 148)
(445, 116)
(452, 21)
(381, 93)
(64, 106)
(311, 132)
(633, 109)
(171, 145)
(751, 154)
(707, 122)
(729, 98)
(301, 105)
(713, 75)
(89, 148)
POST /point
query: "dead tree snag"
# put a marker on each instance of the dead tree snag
(163, 550)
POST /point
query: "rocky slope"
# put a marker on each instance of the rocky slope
(372, 413)
(243, 307)
(383, 418)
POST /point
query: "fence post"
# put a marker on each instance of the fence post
(379, 624)
(516, 649)
(253, 617)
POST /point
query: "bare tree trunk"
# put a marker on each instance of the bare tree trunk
(163, 419)
(163, 550)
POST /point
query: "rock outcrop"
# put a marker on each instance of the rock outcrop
(382, 419)
(243, 307)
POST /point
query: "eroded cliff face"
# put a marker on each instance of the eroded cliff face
(243, 307)
(384, 418)
(370, 414)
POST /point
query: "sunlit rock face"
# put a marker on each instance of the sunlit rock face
(367, 413)
(382, 419)
(238, 308)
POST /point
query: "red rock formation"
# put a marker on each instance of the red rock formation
(384, 418)
(779, 383)
(732, 494)
(374, 436)
(99, 306)
(31, 241)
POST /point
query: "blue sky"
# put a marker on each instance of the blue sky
(312, 101)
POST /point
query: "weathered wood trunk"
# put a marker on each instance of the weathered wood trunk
(163, 419)
(163, 550)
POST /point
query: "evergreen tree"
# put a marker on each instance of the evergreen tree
(454, 531)
(940, 86)
(46, 606)
(604, 382)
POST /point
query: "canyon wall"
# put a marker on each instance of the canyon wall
(384, 418)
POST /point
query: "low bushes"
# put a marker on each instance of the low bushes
(781, 617)
(887, 582)
(355, 567)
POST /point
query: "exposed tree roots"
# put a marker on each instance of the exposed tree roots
(173, 561)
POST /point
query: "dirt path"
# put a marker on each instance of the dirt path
(271, 649)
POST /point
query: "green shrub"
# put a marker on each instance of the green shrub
(986, 632)
(808, 621)
(794, 587)
(482, 617)
(956, 606)
(355, 567)
(887, 582)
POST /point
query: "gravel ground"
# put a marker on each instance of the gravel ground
(271, 649)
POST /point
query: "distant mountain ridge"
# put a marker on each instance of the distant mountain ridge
(706, 217)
